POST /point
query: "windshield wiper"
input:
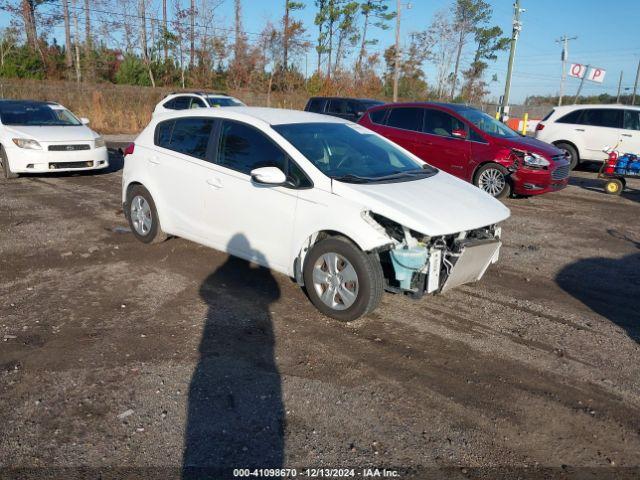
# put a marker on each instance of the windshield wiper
(349, 178)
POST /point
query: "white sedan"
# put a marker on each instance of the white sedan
(339, 208)
(39, 137)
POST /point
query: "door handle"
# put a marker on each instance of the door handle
(579, 129)
(154, 160)
(214, 182)
(627, 135)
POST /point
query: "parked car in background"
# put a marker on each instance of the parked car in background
(473, 146)
(583, 131)
(339, 208)
(342, 107)
(39, 137)
(189, 100)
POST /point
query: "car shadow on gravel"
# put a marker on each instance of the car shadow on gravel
(235, 413)
(609, 287)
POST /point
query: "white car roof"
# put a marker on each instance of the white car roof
(271, 116)
(568, 108)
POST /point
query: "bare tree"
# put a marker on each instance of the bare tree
(142, 13)
(291, 29)
(76, 40)
(442, 35)
(165, 31)
(68, 58)
(192, 33)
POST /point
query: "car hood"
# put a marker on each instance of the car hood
(437, 205)
(53, 133)
(530, 144)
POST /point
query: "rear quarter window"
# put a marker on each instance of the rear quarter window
(546, 117)
(571, 117)
(377, 116)
(316, 105)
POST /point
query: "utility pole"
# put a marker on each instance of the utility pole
(564, 57)
(517, 27)
(619, 87)
(586, 72)
(396, 64)
(635, 85)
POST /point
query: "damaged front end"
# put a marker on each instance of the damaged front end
(415, 263)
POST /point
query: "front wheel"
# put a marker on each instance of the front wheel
(493, 179)
(571, 152)
(6, 169)
(342, 281)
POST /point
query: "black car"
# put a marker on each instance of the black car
(343, 107)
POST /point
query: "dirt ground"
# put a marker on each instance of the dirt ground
(137, 360)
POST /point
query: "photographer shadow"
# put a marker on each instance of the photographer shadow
(235, 413)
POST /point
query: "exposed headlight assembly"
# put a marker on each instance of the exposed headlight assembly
(535, 160)
(99, 142)
(27, 143)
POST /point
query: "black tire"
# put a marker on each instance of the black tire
(154, 233)
(574, 157)
(614, 187)
(506, 190)
(369, 278)
(6, 169)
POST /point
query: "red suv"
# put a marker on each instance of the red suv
(472, 145)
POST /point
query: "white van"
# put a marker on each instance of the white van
(585, 130)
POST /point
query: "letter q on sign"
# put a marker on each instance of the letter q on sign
(577, 70)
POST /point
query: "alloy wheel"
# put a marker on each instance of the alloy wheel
(141, 215)
(492, 181)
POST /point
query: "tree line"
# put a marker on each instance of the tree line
(183, 44)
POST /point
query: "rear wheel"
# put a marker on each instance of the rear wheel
(493, 179)
(143, 216)
(570, 150)
(6, 169)
(342, 281)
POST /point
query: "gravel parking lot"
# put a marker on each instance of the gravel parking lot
(118, 354)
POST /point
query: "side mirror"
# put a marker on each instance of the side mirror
(84, 120)
(268, 176)
(459, 133)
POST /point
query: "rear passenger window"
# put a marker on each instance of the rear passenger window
(571, 117)
(632, 119)
(406, 118)
(440, 123)
(377, 116)
(189, 136)
(602, 117)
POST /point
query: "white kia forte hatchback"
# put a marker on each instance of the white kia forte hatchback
(345, 212)
(40, 137)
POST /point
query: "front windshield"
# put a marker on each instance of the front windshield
(36, 115)
(224, 102)
(488, 124)
(352, 153)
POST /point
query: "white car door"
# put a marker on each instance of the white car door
(180, 167)
(255, 221)
(601, 127)
(631, 132)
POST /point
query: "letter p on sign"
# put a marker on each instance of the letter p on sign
(596, 75)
